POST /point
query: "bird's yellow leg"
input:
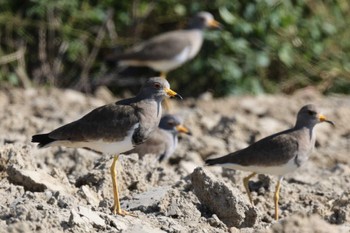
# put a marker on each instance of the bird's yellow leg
(246, 186)
(116, 208)
(277, 197)
(163, 74)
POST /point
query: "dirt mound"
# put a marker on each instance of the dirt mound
(60, 189)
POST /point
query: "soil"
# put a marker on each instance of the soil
(69, 190)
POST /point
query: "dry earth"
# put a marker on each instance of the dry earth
(67, 190)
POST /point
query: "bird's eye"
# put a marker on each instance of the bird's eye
(171, 123)
(311, 113)
(157, 85)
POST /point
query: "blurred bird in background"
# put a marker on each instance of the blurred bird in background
(163, 141)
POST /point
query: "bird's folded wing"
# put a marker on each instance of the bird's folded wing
(270, 151)
(109, 122)
(162, 47)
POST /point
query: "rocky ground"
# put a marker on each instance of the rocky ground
(67, 190)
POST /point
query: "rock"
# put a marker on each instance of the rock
(92, 217)
(130, 224)
(219, 126)
(35, 181)
(89, 195)
(15, 154)
(208, 122)
(180, 205)
(148, 201)
(19, 227)
(302, 223)
(92, 178)
(75, 219)
(225, 201)
(211, 146)
(141, 227)
(251, 105)
(188, 166)
(216, 222)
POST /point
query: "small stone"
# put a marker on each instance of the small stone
(75, 219)
(214, 221)
(48, 194)
(89, 195)
(92, 216)
(51, 201)
(147, 201)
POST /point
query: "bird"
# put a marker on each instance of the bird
(278, 154)
(163, 141)
(114, 128)
(167, 51)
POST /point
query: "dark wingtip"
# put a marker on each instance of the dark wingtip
(42, 139)
(210, 162)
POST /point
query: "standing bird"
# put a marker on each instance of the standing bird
(169, 50)
(277, 154)
(114, 128)
(163, 141)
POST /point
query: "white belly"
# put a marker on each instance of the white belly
(271, 170)
(105, 147)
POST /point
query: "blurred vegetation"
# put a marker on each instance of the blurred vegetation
(266, 46)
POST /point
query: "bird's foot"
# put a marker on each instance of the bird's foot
(123, 212)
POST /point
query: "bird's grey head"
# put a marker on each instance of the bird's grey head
(203, 20)
(157, 88)
(173, 123)
(309, 116)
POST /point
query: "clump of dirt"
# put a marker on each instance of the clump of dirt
(60, 189)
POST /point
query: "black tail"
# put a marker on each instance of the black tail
(42, 139)
(211, 162)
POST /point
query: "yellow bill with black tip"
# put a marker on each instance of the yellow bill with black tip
(322, 118)
(172, 93)
(183, 129)
(214, 24)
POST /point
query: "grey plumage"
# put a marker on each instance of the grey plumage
(277, 149)
(113, 122)
(163, 141)
(114, 128)
(279, 153)
(169, 50)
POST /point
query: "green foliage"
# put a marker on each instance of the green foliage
(265, 46)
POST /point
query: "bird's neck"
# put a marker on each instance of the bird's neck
(174, 136)
(149, 116)
(309, 132)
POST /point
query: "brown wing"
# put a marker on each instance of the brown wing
(110, 122)
(163, 47)
(273, 150)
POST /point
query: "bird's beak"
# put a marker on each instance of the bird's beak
(172, 93)
(183, 129)
(322, 118)
(214, 24)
